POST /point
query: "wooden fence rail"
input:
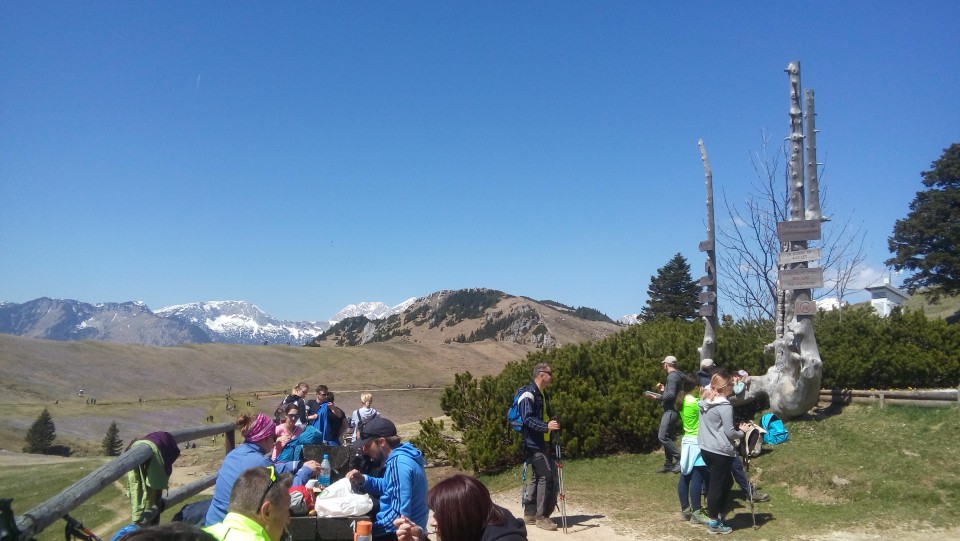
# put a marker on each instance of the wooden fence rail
(923, 398)
(52, 510)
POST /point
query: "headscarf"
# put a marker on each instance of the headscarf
(261, 429)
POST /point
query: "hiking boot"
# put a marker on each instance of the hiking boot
(667, 468)
(685, 515)
(529, 519)
(717, 526)
(545, 523)
(699, 518)
(757, 496)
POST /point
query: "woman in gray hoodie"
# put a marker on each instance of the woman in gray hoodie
(715, 437)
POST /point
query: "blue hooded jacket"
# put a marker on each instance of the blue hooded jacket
(402, 489)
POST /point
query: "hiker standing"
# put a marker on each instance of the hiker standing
(540, 497)
(668, 422)
(716, 434)
(297, 397)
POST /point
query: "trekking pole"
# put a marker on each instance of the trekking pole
(523, 483)
(75, 528)
(561, 496)
(746, 470)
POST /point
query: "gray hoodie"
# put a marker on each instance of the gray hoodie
(717, 430)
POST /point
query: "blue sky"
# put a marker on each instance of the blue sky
(315, 154)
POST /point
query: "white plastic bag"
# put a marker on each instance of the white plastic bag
(338, 500)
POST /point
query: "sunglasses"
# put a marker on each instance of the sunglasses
(273, 481)
(293, 415)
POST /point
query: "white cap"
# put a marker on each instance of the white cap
(670, 359)
(706, 363)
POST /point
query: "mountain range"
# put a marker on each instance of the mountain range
(489, 314)
(227, 322)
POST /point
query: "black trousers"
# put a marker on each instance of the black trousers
(721, 480)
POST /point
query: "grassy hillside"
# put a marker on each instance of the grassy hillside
(182, 386)
(946, 308)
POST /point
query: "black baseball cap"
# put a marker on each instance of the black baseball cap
(378, 427)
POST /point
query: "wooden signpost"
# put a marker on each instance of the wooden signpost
(798, 256)
(801, 278)
(796, 230)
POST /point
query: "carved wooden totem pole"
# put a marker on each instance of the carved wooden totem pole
(793, 383)
(708, 298)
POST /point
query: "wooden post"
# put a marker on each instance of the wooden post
(52, 510)
(708, 347)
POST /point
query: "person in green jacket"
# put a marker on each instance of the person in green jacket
(259, 507)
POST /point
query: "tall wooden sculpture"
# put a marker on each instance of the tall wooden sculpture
(708, 297)
(793, 383)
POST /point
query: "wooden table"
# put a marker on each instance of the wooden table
(322, 528)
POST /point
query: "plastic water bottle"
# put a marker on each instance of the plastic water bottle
(324, 478)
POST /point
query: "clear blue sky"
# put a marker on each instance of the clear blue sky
(308, 155)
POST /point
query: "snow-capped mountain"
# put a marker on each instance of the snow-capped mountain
(629, 319)
(239, 322)
(370, 310)
(128, 322)
(227, 322)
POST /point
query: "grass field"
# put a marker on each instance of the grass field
(887, 471)
(865, 469)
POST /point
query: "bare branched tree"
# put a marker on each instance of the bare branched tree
(748, 258)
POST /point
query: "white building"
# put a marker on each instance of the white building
(830, 303)
(885, 297)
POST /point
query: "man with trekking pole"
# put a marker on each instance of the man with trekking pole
(540, 497)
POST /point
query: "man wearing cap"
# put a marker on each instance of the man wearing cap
(706, 370)
(403, 487)
(668, 423)
(540, 496)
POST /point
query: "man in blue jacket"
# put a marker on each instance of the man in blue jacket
(540, 496)
(403, 487)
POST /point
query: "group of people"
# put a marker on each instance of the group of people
(708, 461)
(251, 500)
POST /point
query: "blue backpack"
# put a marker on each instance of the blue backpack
(513, 414)
(776, 432)
(291, 452)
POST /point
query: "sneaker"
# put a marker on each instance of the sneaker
(685, 515)
(716, 526)
(529, 519)
(545, 523)
(667, 468)
(676, 468)
(698, 517)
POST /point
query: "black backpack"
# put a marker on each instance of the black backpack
(278, 413)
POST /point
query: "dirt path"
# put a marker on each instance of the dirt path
(581, 523)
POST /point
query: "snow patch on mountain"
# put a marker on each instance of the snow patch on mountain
(240, 322)
(371, 310)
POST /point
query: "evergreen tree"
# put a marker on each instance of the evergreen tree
(41, 434)
(112, 444)
(927, 241)
(672, 293)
